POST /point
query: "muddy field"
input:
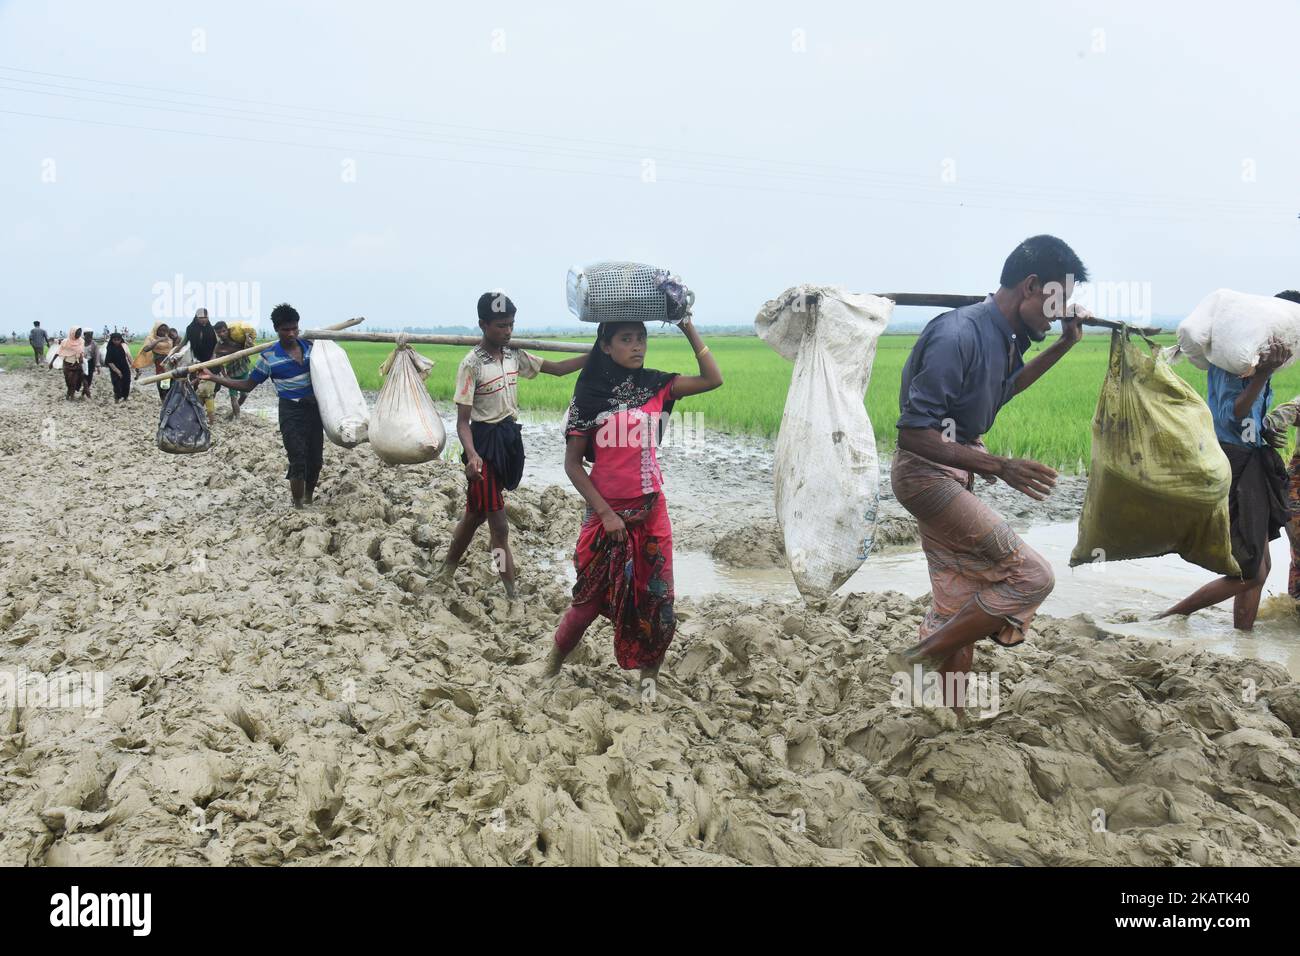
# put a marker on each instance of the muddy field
(290, 687)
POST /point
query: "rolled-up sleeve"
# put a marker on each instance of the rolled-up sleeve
(936, 384)
(1222, 397)
(466, 381)
(529, 364)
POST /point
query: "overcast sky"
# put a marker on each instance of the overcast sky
(394, 160)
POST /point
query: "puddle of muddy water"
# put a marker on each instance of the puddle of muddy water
(1107, 592)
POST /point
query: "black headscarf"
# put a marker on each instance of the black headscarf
(117, 352)
(604, 387)
(202, 339)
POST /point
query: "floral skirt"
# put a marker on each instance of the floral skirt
(631, 581)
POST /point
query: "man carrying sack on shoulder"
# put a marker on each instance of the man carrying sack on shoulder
(965, 366)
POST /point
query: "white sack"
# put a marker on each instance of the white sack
(826, 474)
(1232, 329)
(343, 409)
(404, 427)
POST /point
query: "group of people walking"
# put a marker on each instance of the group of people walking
(80, 357)
(965, 366)
(615, 421)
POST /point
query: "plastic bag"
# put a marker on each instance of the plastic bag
(1159, 481)
(404, 427)
(343, 408)
(183, 425)
(826, 473)
(1231, 329)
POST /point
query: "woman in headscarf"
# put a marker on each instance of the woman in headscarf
(71, 350)
(201, 337)
(624, 556)
(157, 345)
(119, 367)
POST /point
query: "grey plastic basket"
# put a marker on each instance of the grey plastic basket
(618, 292)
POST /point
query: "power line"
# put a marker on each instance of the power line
(581, 172)
(987, 188)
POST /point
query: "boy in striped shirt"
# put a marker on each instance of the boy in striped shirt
(287, 365)
(487, 407)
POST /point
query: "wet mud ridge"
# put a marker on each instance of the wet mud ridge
(285, 688)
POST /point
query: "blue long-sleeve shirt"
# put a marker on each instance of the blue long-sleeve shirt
(1221, 395)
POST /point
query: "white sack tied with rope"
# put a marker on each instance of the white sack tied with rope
(825, 472)
(1232, 329)
(404, 427)
(343, 408)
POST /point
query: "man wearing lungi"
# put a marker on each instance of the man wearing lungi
(967, 364)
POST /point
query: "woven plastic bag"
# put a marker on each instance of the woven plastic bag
(1232, 329)
(343, 408)
(627, 292)
(183, 424)
(404, 427)
(825, 471)
(1159, 480)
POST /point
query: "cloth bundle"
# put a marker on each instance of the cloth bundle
(343, 408)
(1231, 330)
(405, 428)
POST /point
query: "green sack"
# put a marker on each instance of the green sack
(1159, 481)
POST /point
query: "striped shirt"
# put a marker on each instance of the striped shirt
(490, 386)
(292, 380)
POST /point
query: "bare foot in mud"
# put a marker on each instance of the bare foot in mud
(903, 660)
(545, 673)
(554, 661)
(446, 575)
(649, 687)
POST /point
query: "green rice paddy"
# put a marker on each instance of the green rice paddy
(1051, 422)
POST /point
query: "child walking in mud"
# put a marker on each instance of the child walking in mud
(288, 365)
(624, 555)
(487, 411)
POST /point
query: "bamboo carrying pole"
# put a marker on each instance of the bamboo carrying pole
(946, 301)
(253, 350)
(414, 339)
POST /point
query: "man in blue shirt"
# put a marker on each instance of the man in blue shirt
(1257, 501)
(967, 364)
(287, 365)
